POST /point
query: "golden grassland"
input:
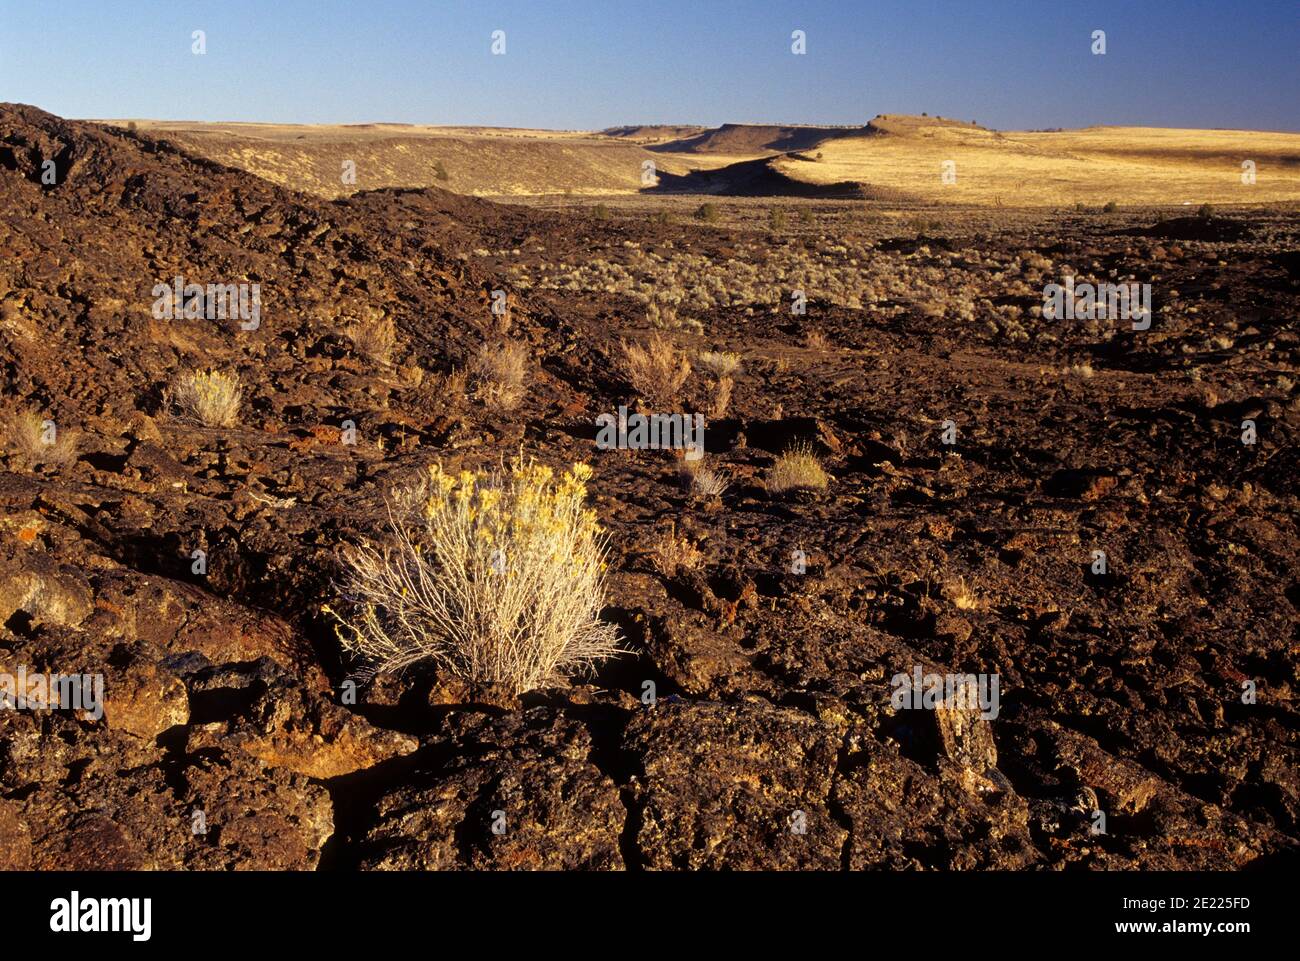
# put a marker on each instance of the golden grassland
(903, 155)
(1093, 166)
(478, 161)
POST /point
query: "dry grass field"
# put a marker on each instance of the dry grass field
(478, 161)
(899, 157)
(1093, 166)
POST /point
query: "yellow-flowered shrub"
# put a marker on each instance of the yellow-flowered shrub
(494, 577)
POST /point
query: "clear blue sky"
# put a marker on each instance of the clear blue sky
(1004, 63)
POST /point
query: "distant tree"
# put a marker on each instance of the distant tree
(1110, 207)
(1205, 212)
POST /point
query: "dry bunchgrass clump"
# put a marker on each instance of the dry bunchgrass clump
(440, 393)
(815, 340)
(374, 339)
(411, 375)
(799, 468)
(499, 371)
(1032, 260)
(961, 596)
(663, 315)
(671, 552)
(708, 484)
(721, 397)
(39, 440)
(722, 363)
(451, 386)
(497, 578)
(655, 371)
(212, 397)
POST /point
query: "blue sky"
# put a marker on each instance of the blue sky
(1012, 64)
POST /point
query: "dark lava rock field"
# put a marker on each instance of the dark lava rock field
(1159, 693)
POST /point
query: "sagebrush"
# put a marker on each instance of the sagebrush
(497, 578)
